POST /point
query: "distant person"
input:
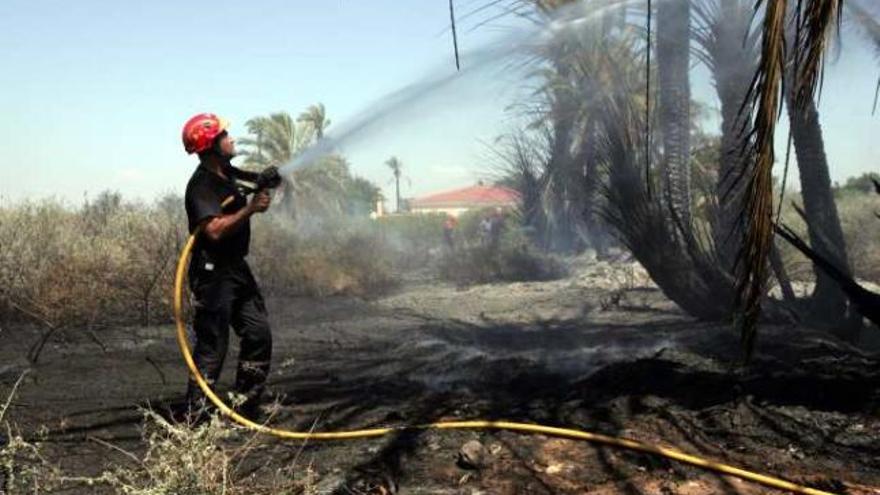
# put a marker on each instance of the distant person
(496, 229)
(449, 232)
(224, 289)
(486, 230)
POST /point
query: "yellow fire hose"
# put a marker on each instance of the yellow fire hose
(449, 425)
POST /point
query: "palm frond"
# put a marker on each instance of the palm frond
(766, 89)
(815, 24)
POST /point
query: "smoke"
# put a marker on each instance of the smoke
(453, 365)
(516, 53)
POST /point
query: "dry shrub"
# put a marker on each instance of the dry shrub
(112, 262)
(513, 261)
(182, 459)
(412, 239)
(23, 469)
(345, 257)
(108, 262)
(861, 230)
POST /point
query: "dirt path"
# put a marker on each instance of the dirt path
(567, 353)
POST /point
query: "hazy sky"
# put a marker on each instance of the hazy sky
(93, 93)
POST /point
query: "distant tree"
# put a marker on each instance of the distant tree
(316, 117)
(362, 196)
(861, 184)
(277, 140)
(96, 213)
(397, 169)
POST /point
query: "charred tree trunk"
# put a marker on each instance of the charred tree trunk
(673, 60)
(563, 235)
(829, 303)
(585, 159)
(865, 302)
(560, 166)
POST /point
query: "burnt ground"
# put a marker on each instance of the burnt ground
(569, 353)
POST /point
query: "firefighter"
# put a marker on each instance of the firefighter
(224, 289)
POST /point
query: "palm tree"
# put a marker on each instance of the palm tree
(315, 116)
(396, 168)
(278, 140)
(569, 177)
(319, 188)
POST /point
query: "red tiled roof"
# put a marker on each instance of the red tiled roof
(468, 197)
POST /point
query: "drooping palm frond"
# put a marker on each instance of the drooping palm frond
(316, 116)
(766, 88)
(816, 20)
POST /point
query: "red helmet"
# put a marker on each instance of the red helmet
(200, 131)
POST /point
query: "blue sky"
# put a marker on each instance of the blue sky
(94, 93)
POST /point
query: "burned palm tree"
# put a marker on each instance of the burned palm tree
(521, 158)
(681, 263)
(576, 59)
(828, 302)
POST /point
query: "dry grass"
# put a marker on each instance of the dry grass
(23, 469)
(208, 459)
(180, 459)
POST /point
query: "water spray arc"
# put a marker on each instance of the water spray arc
(514, 52)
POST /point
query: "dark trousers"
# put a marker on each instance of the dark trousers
(226, 294)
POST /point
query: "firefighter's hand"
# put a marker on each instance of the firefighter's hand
(260, 202)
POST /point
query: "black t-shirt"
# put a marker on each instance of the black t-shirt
(205, 194)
